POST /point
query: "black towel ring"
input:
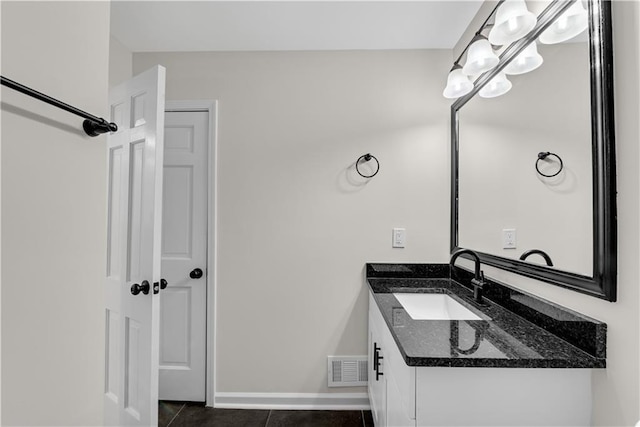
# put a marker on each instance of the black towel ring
(544, 155)
(366, 158)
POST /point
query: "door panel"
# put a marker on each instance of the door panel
(175, 327)
(179, 138)
(177, 222)
(132, 368)
(134, 211)
(112, 359)
(115, 209)
(184, 248)
(137, 109)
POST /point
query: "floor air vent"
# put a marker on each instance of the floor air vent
(347, 371)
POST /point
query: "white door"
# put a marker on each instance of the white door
(135, 155)
(184, 257)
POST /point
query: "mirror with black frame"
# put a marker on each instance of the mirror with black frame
(533, 170)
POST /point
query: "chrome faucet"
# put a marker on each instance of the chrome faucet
(478, 281)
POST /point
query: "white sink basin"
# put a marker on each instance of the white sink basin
(434, 307)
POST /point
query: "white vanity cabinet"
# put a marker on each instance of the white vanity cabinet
(392, 384)
(474, 396)
(377, 384)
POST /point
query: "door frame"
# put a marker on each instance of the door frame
(211, 107)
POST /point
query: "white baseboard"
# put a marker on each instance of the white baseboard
(299, 401)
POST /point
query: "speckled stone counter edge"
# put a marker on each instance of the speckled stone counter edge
(579, 330)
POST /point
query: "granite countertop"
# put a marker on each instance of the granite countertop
(541, 335)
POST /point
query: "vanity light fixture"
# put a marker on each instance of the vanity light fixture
(481, 57)
(527, 60)
(513, 21)
(458, 84)
(499, 85)
(571, 23)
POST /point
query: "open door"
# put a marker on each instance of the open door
(135, 157)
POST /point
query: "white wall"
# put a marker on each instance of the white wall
(296, 225)
(120, 62)
(53, 214)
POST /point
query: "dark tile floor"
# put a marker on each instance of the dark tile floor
(177, 414)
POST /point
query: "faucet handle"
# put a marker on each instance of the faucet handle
(478, 285)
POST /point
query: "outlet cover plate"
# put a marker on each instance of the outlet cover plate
(509, 238)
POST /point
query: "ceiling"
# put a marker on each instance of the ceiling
(155, 26)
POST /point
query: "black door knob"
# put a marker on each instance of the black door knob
(163, 283)
(196, 273)
(144, 288)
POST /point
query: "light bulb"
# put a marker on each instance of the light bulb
(512, 26)
(480, 57)
(499, 85)
(562, 24)
(513, 21)
(527, 60)
(572, 22)
(458, 83)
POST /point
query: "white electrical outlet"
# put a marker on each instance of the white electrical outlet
(509, 238)
(399, 237)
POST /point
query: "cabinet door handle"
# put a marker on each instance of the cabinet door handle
(376, 361)
(374, 365)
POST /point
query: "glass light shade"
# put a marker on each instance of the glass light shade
(513, 21)
(458, 84)
(499, 85)
(527, 60)
(480, 57)
(568, 25)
